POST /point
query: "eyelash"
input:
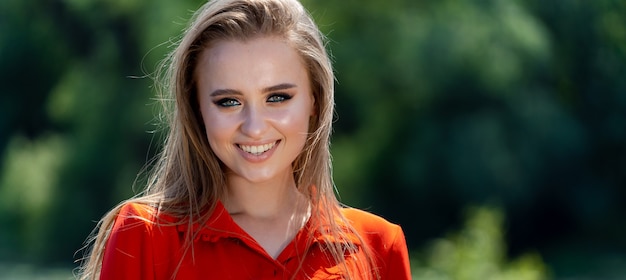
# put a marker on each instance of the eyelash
(282, 96)
(232, 102)
(227, 102)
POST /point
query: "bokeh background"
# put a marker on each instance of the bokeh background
(493, 131)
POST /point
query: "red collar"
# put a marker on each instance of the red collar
(221, 225)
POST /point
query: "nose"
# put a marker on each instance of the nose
(254, 122)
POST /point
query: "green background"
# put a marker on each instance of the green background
(493, 131)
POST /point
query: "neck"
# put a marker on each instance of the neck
(271, 212)
(266, 200)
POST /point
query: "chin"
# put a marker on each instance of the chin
(260, 177)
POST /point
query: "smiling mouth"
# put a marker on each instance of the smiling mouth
(257, 150)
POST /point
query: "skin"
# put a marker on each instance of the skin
(256, 103)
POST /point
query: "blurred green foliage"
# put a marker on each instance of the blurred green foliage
(15, 271)
(441, 104)
(476, 252)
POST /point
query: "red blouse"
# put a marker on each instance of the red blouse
(140, 248)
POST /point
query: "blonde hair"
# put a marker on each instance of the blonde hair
(187, 179)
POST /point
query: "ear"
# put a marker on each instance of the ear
(313, 106)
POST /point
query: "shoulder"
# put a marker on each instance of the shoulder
(139, 239)
(139, 228)
(136, 210)
(135, 213)
(377, 232)
(134, 216)
(386, 240)
(367, 223)
(132, 219)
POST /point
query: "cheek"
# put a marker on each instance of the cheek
(293, 122)
(218, 127)
(298, 117)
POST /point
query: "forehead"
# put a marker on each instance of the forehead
(262, 60)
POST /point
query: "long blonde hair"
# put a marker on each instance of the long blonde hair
(188, 179)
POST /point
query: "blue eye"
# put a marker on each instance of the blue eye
(279, 97)
(227, 102)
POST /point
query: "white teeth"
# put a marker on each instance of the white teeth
(257, 150)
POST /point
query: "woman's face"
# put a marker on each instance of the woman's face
(256, 101)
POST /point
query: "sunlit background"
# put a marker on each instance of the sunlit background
(493, 131)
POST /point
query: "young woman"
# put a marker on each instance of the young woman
(243, 187)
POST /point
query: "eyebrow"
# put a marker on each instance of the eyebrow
(220, 92)
(279, 87)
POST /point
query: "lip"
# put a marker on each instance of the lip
(257, 158)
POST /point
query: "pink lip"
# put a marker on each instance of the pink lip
(257, 158)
